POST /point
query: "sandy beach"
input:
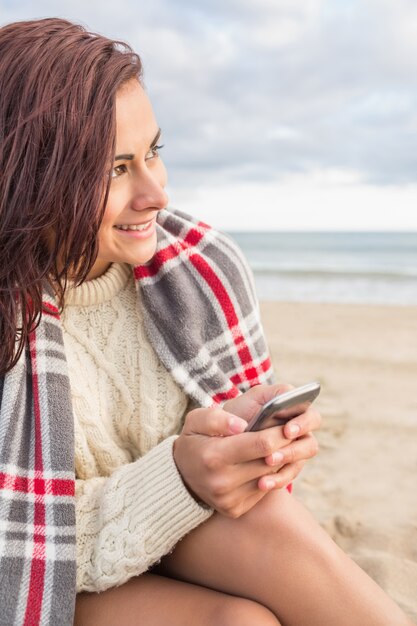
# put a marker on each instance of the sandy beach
(362, 487)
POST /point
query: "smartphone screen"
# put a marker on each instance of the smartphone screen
(284, 407)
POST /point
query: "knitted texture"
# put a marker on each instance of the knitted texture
(124, 400)
(125, 403)
(202, 318)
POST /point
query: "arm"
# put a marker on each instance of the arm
(129, 520)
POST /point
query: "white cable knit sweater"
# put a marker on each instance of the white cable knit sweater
(131, 504)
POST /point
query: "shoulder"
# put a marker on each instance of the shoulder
(214, 255)
(190, 232)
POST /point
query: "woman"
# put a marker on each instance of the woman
(131, 343)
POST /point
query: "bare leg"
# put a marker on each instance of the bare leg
(151, 600)
(279, 556)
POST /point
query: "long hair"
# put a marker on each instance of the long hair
(58, 85)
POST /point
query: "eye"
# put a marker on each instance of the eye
(153, 152)
(118, 171)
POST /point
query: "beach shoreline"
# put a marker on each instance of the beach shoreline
(362, 486)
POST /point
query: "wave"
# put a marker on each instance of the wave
(405, 274)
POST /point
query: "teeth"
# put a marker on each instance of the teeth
(133, 226)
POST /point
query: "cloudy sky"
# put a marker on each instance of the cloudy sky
(276, 114)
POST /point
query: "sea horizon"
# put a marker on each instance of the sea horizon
(370, 267)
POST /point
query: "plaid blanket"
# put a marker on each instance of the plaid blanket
(202, 318)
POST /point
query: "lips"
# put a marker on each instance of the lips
(135, 227)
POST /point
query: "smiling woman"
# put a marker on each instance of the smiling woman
(132, 359)
(128, 230)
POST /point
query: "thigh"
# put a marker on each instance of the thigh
(274, 541)
(277, 555)
(153, 600)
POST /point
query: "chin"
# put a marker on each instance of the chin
(146, 253)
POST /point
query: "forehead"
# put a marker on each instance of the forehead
(135, 119)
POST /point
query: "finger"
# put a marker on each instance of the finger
(248, 404)
(282, 478)
(302, 424)
(250, 446)
(213, 422)
(236, 503)
(265, 393)
(302, 449)
(243, 473)
(252, 499)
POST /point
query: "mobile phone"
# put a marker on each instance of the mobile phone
(284, 407)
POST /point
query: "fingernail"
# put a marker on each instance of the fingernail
(277, 457)
(293, 429)
(236, 425)
(269, 483)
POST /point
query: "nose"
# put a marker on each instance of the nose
(148, 189)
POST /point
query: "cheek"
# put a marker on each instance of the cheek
(162, 173)
(105, 233)
(111, 212)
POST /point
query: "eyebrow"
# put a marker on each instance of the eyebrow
(130, 157)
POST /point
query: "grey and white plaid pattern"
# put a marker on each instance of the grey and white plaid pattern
(202, 318)
(37, 515)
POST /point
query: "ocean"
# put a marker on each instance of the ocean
(356, 267)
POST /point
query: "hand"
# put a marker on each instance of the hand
(224, 466)
(219, 464)
(294, 455)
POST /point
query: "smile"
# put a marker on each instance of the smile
(140, 227)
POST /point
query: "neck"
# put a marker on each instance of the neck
(98, 269)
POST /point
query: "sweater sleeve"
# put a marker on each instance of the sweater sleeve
(128, 521)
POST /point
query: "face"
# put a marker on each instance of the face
(127, 233)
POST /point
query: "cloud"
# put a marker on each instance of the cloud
(262, 89)
(319, 201)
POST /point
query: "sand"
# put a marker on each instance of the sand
(362, 486)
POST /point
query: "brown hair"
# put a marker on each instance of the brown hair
(58, 84)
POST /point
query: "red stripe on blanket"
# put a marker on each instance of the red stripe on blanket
(243, 378)
(37, 486)
(249, 374)
(170, 252)
(49, 309)
(37, 569)
(34, 605)
(194, 236)
(252, 372)
(225, 395)
(222, 296)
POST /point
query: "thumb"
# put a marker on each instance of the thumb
(213, 422)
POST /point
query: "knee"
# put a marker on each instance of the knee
(271, 514)
(278, 519)
(242, 612)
